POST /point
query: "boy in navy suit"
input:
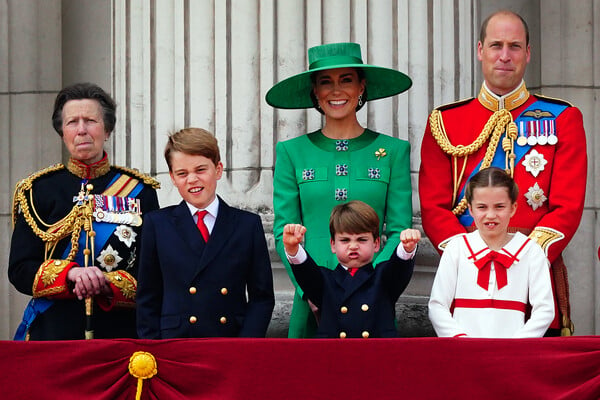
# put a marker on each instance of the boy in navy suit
(204, 266)
(355, 299)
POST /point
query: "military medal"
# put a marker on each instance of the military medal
(534, 162)
(543, 137)
(532, 139)
(522, 139)
(117, 210)
(109, 258)
(552, 139)
(535, 196)
(125, 234)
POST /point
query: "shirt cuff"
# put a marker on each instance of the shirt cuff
(403, 254)
(299, 258)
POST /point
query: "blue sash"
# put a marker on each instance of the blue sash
(103, 231)
(499, 160)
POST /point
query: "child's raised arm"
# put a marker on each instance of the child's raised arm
(293, 235)
(409, 239)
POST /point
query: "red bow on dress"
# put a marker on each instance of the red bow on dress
(501, 261)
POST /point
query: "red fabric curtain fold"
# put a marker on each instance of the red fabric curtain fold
(450, 368)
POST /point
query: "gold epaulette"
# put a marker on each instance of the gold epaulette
(147, 179)
(27, 184)
(545, 237)
(554, 100)
(448, 106)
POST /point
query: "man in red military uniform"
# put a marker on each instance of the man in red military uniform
(540, 141)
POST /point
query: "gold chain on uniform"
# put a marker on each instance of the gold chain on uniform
(498, 122)
(70, 224)
(79, 217)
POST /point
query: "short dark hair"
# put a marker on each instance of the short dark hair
(361, 75)
(492, 177)
(483, 31)
(193, 141)
(82, 91)
(353, 217)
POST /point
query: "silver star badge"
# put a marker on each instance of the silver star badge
(535, 196)
(125, 234)
(109, 258)
(534, 163)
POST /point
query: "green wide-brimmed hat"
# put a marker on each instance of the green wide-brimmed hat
(294, 92)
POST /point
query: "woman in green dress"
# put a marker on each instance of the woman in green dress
(340, 162)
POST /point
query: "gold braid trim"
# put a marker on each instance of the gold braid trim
(26, 184)
(124, 282)
(494, 127)
(545, 236)
(47, 273)
(147, 179)
(71, 224)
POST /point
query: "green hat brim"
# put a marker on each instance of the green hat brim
(294, 92)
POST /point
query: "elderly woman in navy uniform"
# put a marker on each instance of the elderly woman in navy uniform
(76, 229)
(343, 161)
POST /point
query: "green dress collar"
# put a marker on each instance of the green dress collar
(334, 145)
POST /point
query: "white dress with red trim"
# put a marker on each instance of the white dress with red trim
(481, 293)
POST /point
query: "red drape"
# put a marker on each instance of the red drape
(416, 368)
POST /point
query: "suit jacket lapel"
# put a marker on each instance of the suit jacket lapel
(352, 283)
(187, 229)
(222, 231)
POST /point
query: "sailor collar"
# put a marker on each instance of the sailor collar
(91, 171)
(509, 101)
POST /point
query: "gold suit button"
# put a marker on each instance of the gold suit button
(342, 335)
(365, 334)
(193, 290)
(364, 307)
(344, 309)
(224, 291)
(223, 320)
(193, 319)
(57, 263)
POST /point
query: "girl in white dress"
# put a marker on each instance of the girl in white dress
(488, 278)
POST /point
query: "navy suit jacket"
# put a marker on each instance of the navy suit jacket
(365, 302)
(188, 288)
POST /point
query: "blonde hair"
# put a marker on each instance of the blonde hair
(193, 141)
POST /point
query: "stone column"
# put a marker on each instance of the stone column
(30, 76)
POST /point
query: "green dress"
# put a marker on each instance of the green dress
(313, 174)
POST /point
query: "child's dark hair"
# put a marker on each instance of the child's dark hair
(492, 177)
(353, 217)
(193, 141)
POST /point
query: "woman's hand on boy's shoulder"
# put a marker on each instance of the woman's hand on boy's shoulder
(410, 238)
(293, 235)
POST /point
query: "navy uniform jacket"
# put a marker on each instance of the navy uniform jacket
(188, 289)
(52, 194)
(362, 305)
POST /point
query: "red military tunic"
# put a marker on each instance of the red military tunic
(551, 177)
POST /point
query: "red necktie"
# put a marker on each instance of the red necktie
(352, 271)
(201, 226)
(502, 262)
